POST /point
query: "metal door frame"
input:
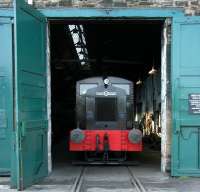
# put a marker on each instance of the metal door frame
(135, 14)
(114, 13)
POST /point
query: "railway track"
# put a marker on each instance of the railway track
(78, 184)
(135, 181)
(82, 185)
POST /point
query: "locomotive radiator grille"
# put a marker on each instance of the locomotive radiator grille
(106, 109)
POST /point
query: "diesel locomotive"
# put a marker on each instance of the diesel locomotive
(104, 108)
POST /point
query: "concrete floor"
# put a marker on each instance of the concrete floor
(112, 178)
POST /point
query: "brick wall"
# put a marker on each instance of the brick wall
(192, 7)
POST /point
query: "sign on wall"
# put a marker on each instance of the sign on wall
(194, 103)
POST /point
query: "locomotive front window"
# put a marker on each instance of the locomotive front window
(106, 109)
(85, 87)
(125, 87)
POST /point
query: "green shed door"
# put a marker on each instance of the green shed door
(31, 95)
(186, 96)
(6, 95)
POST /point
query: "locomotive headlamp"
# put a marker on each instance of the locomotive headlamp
(77, 135)
(106, 81)
(135, 136)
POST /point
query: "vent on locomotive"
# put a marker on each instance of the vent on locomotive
(105, 109)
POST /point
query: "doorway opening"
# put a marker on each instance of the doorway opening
(132, 49)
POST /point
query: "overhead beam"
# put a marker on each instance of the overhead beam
(156, 13)
(61, 13)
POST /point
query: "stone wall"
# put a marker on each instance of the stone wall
(5, 3)
(192, 7)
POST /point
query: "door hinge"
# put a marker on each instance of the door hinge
(22, 129)
(14, 147)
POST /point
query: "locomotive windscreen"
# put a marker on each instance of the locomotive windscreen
(106, 109)
(84, 87)
(125, 87)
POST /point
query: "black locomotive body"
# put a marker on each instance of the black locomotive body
(104, 109)
(104, 106)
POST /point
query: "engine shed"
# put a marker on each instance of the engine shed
(46, 51)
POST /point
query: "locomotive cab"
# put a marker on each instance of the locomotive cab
(105, 117)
